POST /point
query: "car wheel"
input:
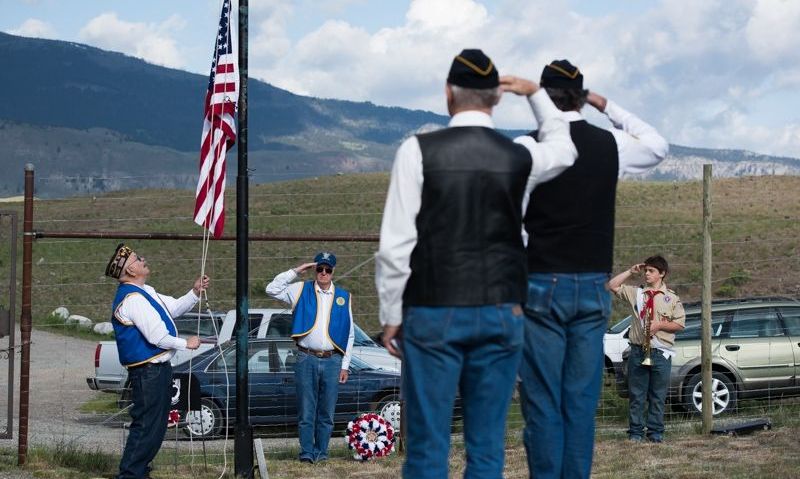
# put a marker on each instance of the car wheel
(723, 394)
(388, 408)
(205, 423)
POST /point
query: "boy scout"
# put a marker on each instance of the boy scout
(660, 315)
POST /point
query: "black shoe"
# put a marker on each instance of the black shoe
(306, 460)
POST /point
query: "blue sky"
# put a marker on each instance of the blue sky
(711, 73)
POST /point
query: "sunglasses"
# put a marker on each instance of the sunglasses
(327, 269)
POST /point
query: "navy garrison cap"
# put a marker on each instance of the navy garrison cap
(562, 74)
(473, 69)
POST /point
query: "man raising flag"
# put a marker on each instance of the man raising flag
(219, 127)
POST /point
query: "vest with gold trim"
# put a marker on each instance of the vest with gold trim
(306, 311)
(133, 347)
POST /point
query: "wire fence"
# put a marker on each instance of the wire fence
(756, 342)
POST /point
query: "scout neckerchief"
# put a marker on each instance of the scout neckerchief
(648, 310)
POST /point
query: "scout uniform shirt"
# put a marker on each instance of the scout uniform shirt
(666, 306)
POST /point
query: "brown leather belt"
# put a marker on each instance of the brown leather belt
(319, 354)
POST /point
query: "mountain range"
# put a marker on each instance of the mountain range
(91, 120)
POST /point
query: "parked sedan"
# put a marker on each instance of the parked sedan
(755, 346)
(272, 388)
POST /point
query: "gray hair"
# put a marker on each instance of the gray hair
(474, 97)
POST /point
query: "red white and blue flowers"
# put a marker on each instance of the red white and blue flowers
(370, 435)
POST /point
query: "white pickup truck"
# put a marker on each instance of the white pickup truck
(217, 328)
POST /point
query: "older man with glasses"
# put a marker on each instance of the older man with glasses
(322, 326)
(146, 340)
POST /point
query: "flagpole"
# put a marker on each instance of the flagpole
(243, 439)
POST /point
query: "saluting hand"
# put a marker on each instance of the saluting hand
(597, 101)
(519, 86)
(636, 269)
(304, 267)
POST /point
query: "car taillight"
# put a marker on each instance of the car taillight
(97, 356)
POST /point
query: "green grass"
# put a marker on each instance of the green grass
(753, 234)
(64, 460)
(685, 454)
(101, 403)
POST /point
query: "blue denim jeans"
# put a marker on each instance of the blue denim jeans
(474, 350)
(151, 396)
(317, 382)
(561, 371)
(647, 383)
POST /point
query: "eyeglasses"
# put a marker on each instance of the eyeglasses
(326, 269)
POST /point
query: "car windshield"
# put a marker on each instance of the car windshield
(357, 364)
(620, 326)
(206, 325)
(361, 338)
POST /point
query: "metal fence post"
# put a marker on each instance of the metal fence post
(25, 317)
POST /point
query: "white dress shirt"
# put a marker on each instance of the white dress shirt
(552, 154)
(639, 145)
(136, 310)
(283, 289)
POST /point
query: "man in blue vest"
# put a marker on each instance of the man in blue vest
(322, 326)
(570, 223)
(146, 341)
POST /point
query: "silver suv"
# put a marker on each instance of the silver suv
(755, 344)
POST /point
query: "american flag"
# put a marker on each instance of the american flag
(219, 127)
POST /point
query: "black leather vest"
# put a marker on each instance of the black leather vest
(570, 219)
(469, 249)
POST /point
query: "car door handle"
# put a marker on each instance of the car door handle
(732, 347)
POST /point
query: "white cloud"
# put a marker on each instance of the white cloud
(35, 28)
(696, 70)
(271, 40)
(772, 31)
(149, 41)
(444, 16)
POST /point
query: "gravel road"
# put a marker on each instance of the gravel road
(58, 371)
(59, 367)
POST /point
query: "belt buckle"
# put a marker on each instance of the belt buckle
(319, 354)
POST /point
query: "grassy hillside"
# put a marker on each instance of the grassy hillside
(755, 239)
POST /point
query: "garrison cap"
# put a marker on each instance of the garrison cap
(473, 69)
(562, 74)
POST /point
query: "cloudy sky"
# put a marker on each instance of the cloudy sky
(708, 73)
